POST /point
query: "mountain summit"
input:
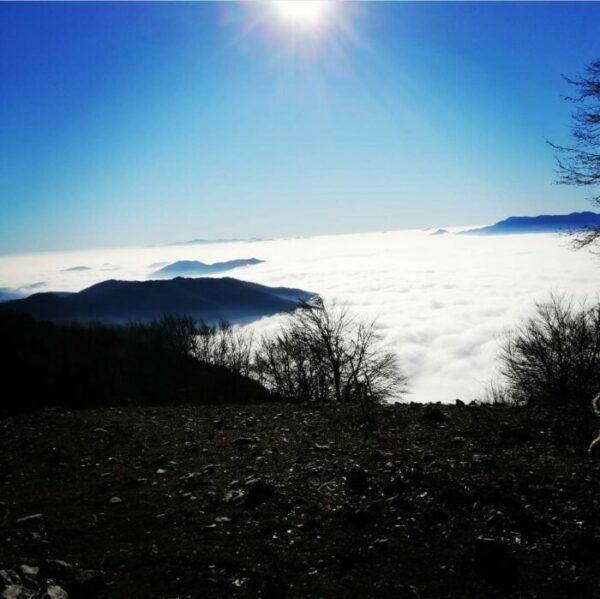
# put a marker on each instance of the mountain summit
(191, 268)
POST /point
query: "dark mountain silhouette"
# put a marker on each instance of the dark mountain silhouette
(187, 268)
(205, 299)
(9, 294)
(545, 223)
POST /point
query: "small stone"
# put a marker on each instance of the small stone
(321, 447)
(16, 591)
(33, 519)
(8, 577)
(115, 500)
(234, 497)
(56, 592)
(32, 571)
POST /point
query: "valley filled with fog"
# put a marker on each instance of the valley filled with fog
(442, 302)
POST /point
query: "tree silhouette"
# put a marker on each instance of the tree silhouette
(579, 163)
(324, 353)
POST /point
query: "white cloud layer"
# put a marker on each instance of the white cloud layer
(442, 302)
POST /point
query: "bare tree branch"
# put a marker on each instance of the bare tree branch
(578, 164)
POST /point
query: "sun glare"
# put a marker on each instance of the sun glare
(302, 13)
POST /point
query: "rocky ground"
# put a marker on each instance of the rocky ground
(283, 501)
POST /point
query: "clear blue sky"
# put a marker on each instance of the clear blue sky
(135, 123)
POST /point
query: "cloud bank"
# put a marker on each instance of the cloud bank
(442, 302)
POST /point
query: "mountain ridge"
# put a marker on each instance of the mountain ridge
(207, 299)
(543, 223)
(185, 268)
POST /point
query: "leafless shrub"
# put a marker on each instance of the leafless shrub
(553, 359)
(225, 345)
(498, 394)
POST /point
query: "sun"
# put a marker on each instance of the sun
(302, 14)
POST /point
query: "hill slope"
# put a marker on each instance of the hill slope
(205, 299)
(266, 501)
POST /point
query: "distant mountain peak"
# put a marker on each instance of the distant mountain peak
(543, 223)
(196, 268)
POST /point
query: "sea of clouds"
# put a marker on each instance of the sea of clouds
(442, 302)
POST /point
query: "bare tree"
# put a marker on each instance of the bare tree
(579, 163)
(177, 332)
(553, 359)
(225, 345)
(325, 354)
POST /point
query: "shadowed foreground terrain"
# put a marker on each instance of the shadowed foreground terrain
(290, 501)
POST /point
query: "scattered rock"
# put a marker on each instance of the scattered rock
(115, 500)
(235, 497)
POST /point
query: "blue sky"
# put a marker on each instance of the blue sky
(143, 123)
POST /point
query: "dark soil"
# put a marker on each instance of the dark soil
(291, 501)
